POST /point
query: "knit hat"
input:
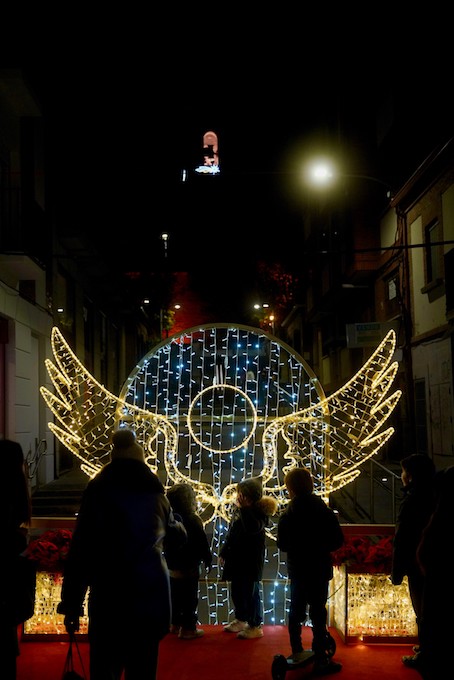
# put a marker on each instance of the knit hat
(125, 446)
(251, 488)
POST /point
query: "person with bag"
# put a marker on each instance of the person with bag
(117, 553)
(17, 599)
(69, 669)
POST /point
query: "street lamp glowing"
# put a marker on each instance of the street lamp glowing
(267, 318)
(165, 238)
(320, 173)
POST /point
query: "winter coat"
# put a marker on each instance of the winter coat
(14, 520)
(414, 513)
(434, 557)
(116, 549)
(243, 550)
(434, 552)
(184, 561)
(308, 531)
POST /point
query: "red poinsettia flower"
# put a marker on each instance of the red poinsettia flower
(363, 551)
(379, 557)
(354, 551)
(50, 550)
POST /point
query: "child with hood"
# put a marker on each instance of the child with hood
(185, 562)
(242, 557)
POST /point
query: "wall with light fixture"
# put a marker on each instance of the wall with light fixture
(24, 344)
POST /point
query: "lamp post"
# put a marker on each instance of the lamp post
(167, 319)
(323, 173)
(267, 317)
(165, 238)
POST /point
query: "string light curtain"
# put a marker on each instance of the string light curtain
(220, 403)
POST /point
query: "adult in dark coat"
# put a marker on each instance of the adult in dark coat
(434, 556)
(308, 531)
(15, 516)
(116, 552)
(418, 471)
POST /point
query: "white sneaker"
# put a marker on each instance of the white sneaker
(250, 632)
(235, 626)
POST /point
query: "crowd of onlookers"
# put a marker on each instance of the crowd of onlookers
(140, 550)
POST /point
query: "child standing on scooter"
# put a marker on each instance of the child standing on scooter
(308, 531)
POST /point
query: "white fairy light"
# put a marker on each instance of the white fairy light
(211, 432)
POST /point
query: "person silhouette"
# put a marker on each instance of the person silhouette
(418, 471)
(185, 563)
(242, 557)
(308, 531)
(434, 556)
(117, 552)
(15, 518)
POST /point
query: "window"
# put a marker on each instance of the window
(434, 253)
(392, 288)
(392, 295)
(449, 283)
(435, 286)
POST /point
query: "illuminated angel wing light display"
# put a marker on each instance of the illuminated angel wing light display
(86, 412)
(216, 404)
(219, 403)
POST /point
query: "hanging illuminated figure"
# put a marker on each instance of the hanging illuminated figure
(210, 165)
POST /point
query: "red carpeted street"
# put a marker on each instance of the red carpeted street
(221, 656)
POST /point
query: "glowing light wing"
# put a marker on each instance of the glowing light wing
(342, 431)
(87, 412)
(332, 437)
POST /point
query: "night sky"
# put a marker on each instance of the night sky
(126, 99)
(119, 144)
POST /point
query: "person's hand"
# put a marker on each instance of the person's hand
(72, 624)
(395, 580)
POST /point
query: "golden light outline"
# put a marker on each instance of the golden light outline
(332, 437)
(217, 387)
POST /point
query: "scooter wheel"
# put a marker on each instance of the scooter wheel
(279, 667)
